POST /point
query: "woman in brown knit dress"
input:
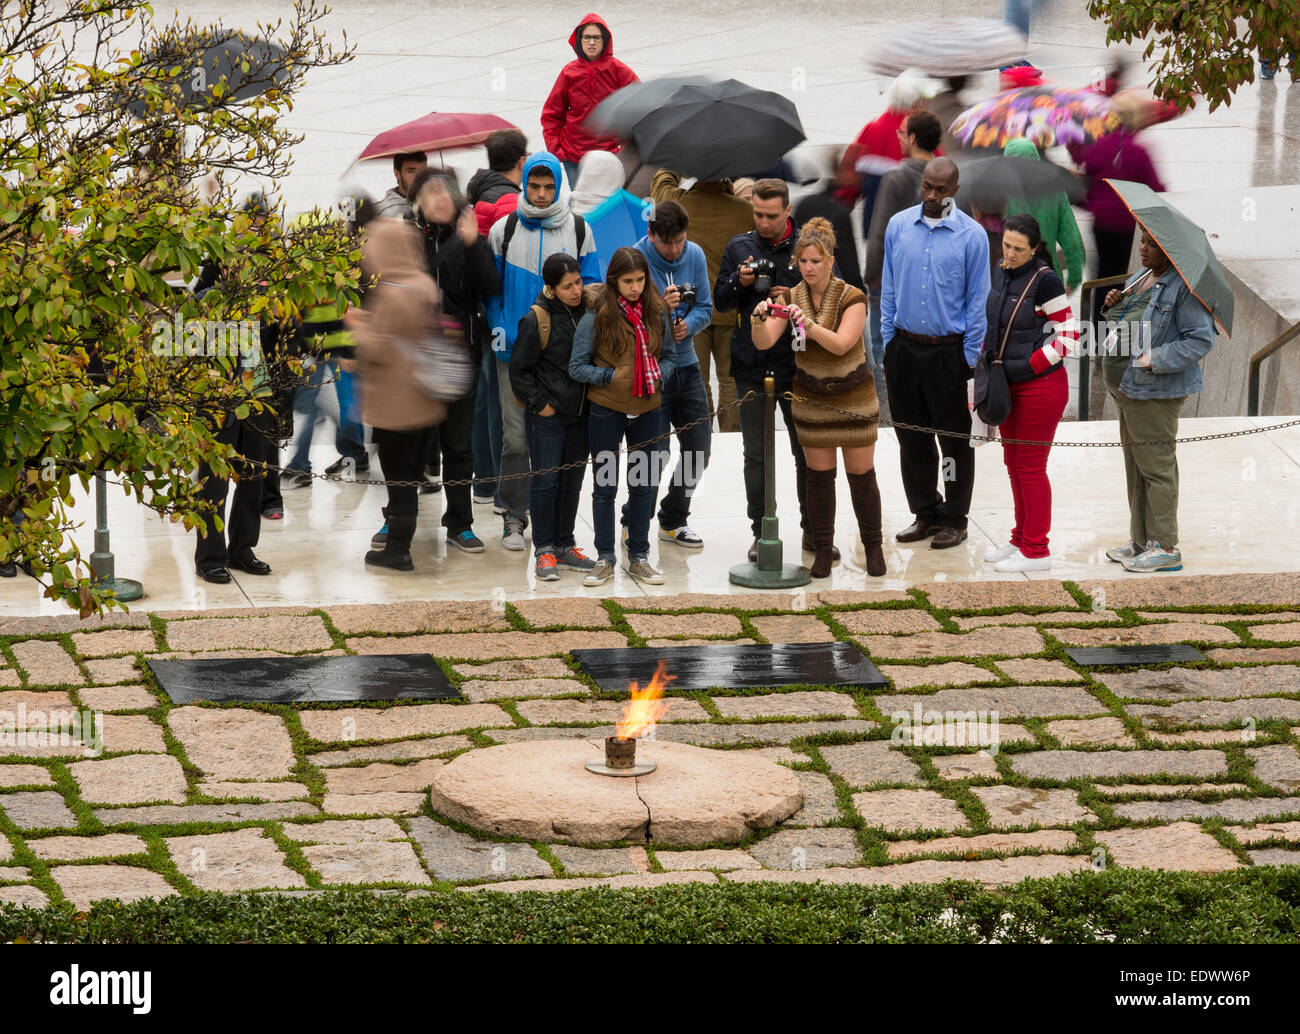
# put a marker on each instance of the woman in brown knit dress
(832, 368)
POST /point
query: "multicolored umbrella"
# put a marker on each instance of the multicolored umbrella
(959, 46)
(436, 131)
(1048, 115)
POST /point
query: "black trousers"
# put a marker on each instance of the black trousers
(455, 437)
(251, 439)
(751, 431)
(927, 386)
(401, 458)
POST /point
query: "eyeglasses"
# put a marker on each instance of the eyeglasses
(593, 39)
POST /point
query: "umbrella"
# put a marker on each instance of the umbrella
(199, 64)
(624, 108)
(1047, 115)
(718, 129)
(953, 47)
(618, 221)
(1186, 245)
(436, 131)
(1015, 178)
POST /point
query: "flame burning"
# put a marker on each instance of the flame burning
(646, 707)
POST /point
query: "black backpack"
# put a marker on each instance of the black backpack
(512, 221)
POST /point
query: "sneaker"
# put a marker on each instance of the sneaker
(467, 541)
(273, 513)
(641, 570)
(296, 479)
(683, 536)
(482, 500)
(1017, 562)
(998, 553)
(380, 538)
(343, 464)
(1266, 71)
(512, 537)
(1155, 558)
(545, 568)
(573, 559)
(1126, 552)
(602, 572)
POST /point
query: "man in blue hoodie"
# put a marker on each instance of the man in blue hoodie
(541, 226)
(678, 265)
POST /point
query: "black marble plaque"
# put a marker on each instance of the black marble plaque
(728, 666)
(286, 680)
(1106, 656)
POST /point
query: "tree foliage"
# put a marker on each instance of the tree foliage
(102, 140)
(1207, 47)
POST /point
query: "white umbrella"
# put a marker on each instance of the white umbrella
(958, 46)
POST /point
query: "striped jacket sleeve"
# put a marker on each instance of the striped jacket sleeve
(1053, 305)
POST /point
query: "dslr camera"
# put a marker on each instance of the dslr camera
(688, 293)
(764, 274)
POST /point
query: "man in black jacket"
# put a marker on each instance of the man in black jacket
(741, 286)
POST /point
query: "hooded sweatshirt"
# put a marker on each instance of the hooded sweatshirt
(1055, 219)
(539, 234)
(600, 177)
(580, 86)
(690, 268)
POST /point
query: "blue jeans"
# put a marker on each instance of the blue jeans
(349, 436)
(606, 430)
(487, 427)
(1016, 14)
(553, 498)
(683, 401)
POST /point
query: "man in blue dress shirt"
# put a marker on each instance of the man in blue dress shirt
(933, 286)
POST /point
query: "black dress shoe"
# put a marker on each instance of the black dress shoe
(216, 575)
(808, 547)
(250, 564)
(916, 531)
(9, 570)
(948, 537)
(753, 552)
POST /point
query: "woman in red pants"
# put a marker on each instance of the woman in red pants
(1028, 306)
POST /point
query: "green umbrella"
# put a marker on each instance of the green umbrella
(1185, 244)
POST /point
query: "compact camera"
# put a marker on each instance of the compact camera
(688, 293)
(779, 312)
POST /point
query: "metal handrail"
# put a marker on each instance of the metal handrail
(1257, 360)
(1085, 316)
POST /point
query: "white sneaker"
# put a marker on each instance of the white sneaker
(995, 553)
(683, 536)
(1017, 561)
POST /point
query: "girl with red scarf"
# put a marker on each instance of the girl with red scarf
(618, 350)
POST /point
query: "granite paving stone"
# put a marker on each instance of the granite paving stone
(714, 858)
(857, 597)
(458, 857)
(1274, 856)
(886, 622)
(781, 755)
(14, 873)
(1278, 765)
(130, 779)
(382, 778)
(570, 712)
(254, 790)
(792, 628)
(9, 677)
(419, 616)
(6, 849)
(903, 811)
(360, 723)
(1028, 806)
(1213, 619)
(245, 859)
(118, 698)
(1088, 732)
(1289, 831)
(398, 750)
(587, 861)
(233, 655)
(569, 612)
(630, 881)
(1167, 789)
(389, 802)
(523, 668)
(961, 731)
(1007, 701)
(1279, 632)
(286, 633)
(985, 595)
(658, 644)
(83, 885)
(650, 625)
(820, 806)
(47, 664)
(23, 896)
(807, 849)
(1038, 670)
(233, 742)
(1069, 764)
(1205, 737)
(133, 732)
(487, 646)
(108, 644)
(35, 709)
(861, 764)
(957, 767)
(24, 775)
(1181, 845)
(1207, 590)
(950, 673)
(1072, 617)
(480, 690)
(706, 735)
(796, 704)
(175, 814)
(1146, 635)
(37, 809)
(1236, 809)
(57, 624)
(372, 862)
(989, 873)
(1214, 712)
(112, 670)
(1262, 655)
(343, 831)
(982, 642)
(1184, 683)
(72, 849)
(1042, 840)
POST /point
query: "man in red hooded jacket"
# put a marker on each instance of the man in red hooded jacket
(582, 84)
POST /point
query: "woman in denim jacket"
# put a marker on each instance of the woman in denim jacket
(1177, 331)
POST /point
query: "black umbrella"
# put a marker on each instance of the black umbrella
(717, 130)
(1011, 178)
(191, 67)
(624, 108)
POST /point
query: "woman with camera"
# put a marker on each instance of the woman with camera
(623, 350)
(1031, 329)
(831, 367)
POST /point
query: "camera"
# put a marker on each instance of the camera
(688, 293)
(779, 312)
(764, 274)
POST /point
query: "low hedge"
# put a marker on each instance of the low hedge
(1256, 905)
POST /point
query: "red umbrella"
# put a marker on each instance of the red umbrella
(436, 131)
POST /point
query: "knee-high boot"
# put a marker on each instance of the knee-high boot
(821, 518)
(865, 494)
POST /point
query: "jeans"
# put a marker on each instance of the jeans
(554, 441)
(487, 427)
(751, 430)
(571, 171)
(606, 431)
(1036, 408)
(684, 400)
(514, 448)
(1016, 14)
(349, 437)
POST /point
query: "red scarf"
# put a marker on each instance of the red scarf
(645, 370)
